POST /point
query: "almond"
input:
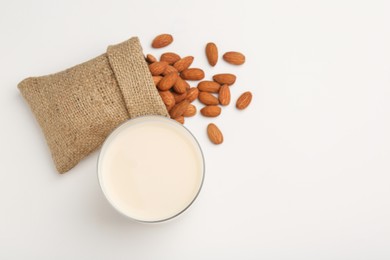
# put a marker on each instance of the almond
(224, 95)
(190, 111)
(209, 86)
(162, 40)
(207, 98)
(183, 63)
(179, 97)
(214, 134)
(211, 111)
(225, 78)
(167, 81)
(150, 58)
(169, 57)
(156, 79)
(169, 69)
(168, 99)
(181, 86)
(244, 100)
(212, 53)
(180, 119)
(233, 57)
(192, 94)
(192, 74)
(158, 67)
(178, 109)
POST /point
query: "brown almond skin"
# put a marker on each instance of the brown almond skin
(192, 74)
(167, 81)
(234, 57)
(179, 97)
(244, 100)
(225, 78)
(169, 69)
(168, 99)
(170, 57)
(190, 111)
(157, 68)
(156, 79)
(211, 111)
(192, 94)
(207, 98)
(224, 95)
(183, 63)
(150, 58)
(209, 86)
(181, 86)
(162, 40)
(214, 134)
(180, 119)
(179, 109)
(212, 53)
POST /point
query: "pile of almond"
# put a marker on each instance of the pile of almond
(171, 73)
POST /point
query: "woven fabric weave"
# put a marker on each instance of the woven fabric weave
(78, 107)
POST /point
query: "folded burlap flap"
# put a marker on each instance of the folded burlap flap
(77, 108)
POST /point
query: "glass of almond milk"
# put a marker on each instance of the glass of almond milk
(151, 169)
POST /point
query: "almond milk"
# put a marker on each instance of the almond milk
(151, 168)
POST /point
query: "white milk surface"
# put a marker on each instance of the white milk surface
(151, 168)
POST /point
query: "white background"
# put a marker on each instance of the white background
(303, 173)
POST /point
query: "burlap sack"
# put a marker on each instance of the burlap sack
(77, 108)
